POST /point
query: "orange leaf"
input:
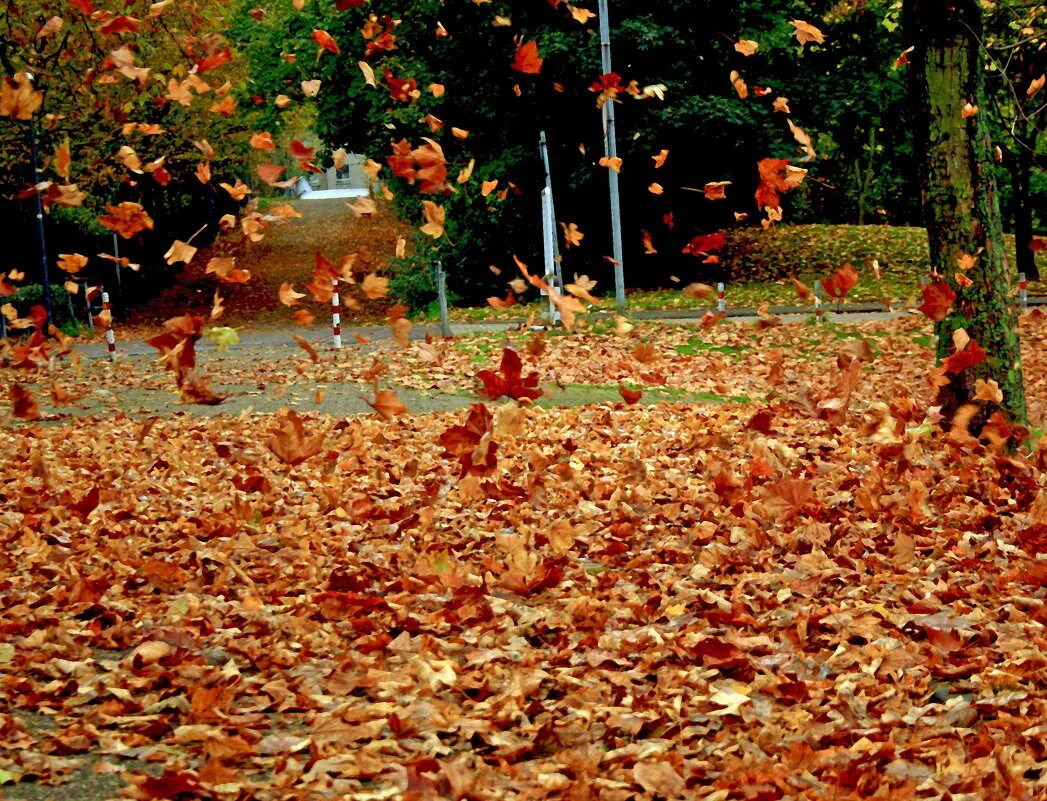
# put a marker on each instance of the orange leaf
(326, 41)
(527, 59)
(386, 404)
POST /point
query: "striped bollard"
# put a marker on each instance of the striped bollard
(336, 315)
(721, 298)
(819, 312)
(1023, 292)
(110, 337)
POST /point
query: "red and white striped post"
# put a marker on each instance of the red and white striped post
(721, 298)
(336, 315)
(819, 312)
(1023, 292)
(110, 337)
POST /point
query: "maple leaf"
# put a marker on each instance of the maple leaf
(841, 282)
(434, 216)
(288, 296)
(746, 46)
(305, 345)
(126, 219)
(510, 382)
(374, 286)
(290, 443)
(23, 403)
(268, 172)
(18, 98)
(527, 59)
(967, 355)
(71, 262)
(805, 32)
(716, 190)
(572, 236)
(801, 288)
(326, 42)
(472, 443)
(705, 243)
(630, 396)
(386, 404)
(180, 251)
(659, 158)
(938, 298)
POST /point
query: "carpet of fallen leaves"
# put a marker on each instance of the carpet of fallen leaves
(811, 595)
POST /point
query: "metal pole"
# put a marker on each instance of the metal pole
(441, 294)
(543, 146)
(44, 278)
(611, 151)
(116, 264)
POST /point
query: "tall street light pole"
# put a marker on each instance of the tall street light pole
(44, 278)
(611, 151)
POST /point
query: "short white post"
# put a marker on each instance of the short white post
(819, 312)
(1023, 292)
(110, 337)
(721, 298)
(336, 315)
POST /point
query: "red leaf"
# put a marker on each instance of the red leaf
(630, 396)
(215, 60)
(510, 382)
(326, 41)
(705, 243)
(23, 403)
(938, 298)
(171, 785)
(841, 282)
(467, 444)
(968, 357)
(348, 5)
(527, 59)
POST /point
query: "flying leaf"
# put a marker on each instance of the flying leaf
(326, 42)
(386, 404)
(290, 443)
(288, 296)
(938, 298)
(746, 46)
(509, 381)
(805, 32)
(72, 262)
(841, 282)
(434, 215)
(527, 59)
(375, 286)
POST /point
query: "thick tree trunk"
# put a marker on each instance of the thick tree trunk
(961, 206)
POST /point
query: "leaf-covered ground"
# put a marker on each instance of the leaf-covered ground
(798, 590)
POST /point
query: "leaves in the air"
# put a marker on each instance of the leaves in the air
(386, 404)
(527, 59)
(938, 298)
(841, 282)
(472, 442)
(290, 442)
(509, 381)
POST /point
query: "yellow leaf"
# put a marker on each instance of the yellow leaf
(746, 46)
(62, 159)
(374, 286)
(365, 68)
(434, 216)
(582, 15)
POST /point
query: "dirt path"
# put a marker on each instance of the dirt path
(286, 253)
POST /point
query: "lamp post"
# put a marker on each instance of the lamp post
(611, 151)
(44, 278)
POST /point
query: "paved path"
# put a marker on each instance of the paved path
(280, 337)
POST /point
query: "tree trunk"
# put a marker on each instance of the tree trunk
(961, 206)
(1025, 256)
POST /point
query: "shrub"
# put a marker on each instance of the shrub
(809, 251)
(33, 295)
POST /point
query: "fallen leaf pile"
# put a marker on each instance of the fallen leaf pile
(625, 602)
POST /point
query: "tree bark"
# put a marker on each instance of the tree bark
(1025, 256)
(961, 205)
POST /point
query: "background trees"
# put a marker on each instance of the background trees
(136, 105)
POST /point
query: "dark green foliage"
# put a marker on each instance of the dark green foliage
(33, 295)
(686, 45)
(815, 250)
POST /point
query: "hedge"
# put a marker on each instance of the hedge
(807, 251)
